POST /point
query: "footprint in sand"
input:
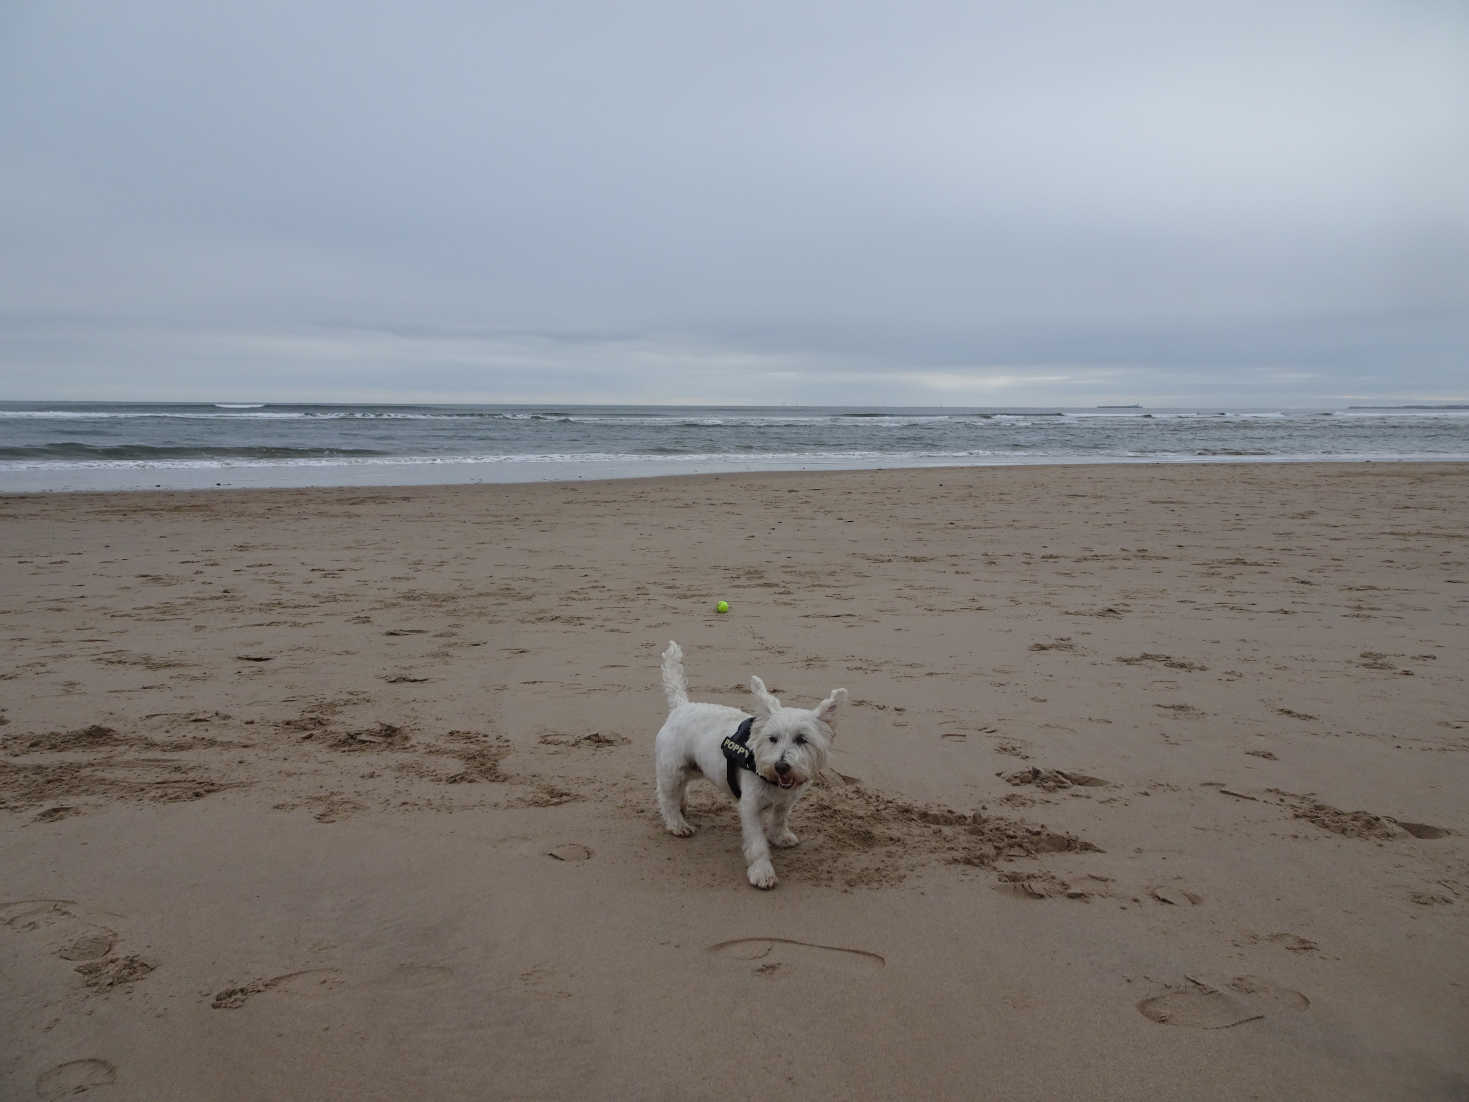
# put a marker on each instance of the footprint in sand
(56, 814)
(312, 983)
(59, 928)
(570, 851)
(55, 926)
(777, 954)
(1052, 780)
(33, 914)
(1203, 1006)
(317, 983)
(104, 975)
(75, 1077)
(92, 946)
(1032, 884)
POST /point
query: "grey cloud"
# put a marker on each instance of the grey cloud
(794, 202)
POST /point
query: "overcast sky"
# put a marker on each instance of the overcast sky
(843, 202)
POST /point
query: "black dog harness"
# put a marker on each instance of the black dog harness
(738, 755)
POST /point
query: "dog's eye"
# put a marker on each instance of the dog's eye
(772, 738)
(800, 740)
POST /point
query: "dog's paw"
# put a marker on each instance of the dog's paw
(785, 840)
(762, 874)
(680, 830)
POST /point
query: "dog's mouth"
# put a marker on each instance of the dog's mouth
(786, 780)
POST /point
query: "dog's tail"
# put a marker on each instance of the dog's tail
(675, 686)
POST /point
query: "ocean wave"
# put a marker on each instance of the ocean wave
(723, 460)
(135, 453)
(222, 412)
(853, 422)
(216, 459)
(213, 413)
(270, 413)
(689, 422)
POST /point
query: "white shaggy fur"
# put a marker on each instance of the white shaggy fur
(790, 745)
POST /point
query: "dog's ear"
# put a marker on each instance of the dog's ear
(826, 711)
(765, 701)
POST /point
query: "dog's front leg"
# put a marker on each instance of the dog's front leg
(757, 850)
(780, 831)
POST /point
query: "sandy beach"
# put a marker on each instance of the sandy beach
(1152, 784)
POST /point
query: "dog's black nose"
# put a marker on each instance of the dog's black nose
(782, 768)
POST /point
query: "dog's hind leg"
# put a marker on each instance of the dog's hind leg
(672, 784)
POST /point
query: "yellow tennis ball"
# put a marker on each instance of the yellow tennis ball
(722, 606)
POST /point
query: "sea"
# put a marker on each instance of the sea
(68, 446)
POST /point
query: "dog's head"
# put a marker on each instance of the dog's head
(791, 744)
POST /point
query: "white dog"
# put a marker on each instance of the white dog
(765, 761)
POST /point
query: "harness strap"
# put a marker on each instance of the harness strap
(738, 755)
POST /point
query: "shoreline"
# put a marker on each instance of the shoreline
(1147, 774)
(431, 473)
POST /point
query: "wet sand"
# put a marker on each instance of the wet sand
(1151, 784)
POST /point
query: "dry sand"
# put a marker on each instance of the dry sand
(1152, 785)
